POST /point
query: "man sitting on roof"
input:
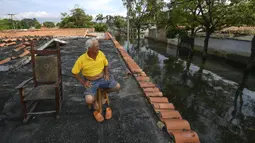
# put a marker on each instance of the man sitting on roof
(94, 67)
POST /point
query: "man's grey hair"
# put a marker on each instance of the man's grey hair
(89, 43)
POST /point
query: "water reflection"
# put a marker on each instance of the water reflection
(219, 109)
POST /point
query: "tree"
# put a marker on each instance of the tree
(119, 21)
(23, 24)
(49, 24)
(155, 7)
(101, 27)
(100, 17)
(244, 13)
(140, 12)
(77, 19)
(214, 15)
(29, 23)
(5, 24)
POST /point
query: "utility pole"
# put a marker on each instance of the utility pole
(11, 15)
(128, 6)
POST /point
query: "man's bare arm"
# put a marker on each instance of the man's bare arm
(86, 84)
(79, 78)
(106, 73)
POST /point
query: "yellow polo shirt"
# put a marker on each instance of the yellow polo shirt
(89, 66)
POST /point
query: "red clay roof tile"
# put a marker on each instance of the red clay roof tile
(154, 94)
(146, 85)
(177, 124)
(169, 114)
(5, 61)
(142, 78)
(2, 44)
(158, 100)
(185, 136)
(26, 52)
(155, 89)
(12, 43)
(163, 106)
(19, 48)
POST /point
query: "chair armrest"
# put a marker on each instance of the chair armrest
(57, 83)
(24, 83)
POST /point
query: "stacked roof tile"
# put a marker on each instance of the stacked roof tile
(17, 47)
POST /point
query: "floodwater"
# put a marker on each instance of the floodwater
(215, 98)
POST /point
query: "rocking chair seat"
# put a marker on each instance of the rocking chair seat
(41, 92)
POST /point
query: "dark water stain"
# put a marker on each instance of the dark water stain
(217, 97)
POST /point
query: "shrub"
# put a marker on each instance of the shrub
(100, 27)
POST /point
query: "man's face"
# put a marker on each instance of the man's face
(95, 48)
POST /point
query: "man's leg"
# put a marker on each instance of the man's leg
(90, 100)
(109, 86)
(116, 88)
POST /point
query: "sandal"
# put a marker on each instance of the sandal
(98, 116)
(108, 114)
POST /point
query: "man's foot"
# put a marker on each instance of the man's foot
(108, 114)
(98, 116)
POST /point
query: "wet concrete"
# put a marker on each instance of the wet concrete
(133, 118)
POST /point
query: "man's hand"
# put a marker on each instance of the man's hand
(107, 77)
(87, 84)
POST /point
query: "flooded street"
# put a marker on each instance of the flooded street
(218, 99)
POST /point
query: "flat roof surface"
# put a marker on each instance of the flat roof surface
(134, 120)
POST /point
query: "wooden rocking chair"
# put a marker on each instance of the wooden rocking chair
(47, 81)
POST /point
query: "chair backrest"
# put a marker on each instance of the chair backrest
(46, 68)
(46, 65)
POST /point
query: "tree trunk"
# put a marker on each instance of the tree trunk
(239, 91)
(138, 34)
(206, 42)
(192, 42)
(190, 56)
(192, 32)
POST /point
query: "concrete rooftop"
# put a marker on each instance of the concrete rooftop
(134, 120)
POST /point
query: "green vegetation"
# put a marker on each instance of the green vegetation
(49, 24)
(101, 27)
(209, 16)
(76, 19)
(142, 13)
(5, 24)
(100, 17)
(16, 24)
(119, 22)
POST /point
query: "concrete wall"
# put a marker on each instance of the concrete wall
(238, 47)
(230, 46)
(157, 34)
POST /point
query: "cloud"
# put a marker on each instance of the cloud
(48, 9)
(121, 13)
(37, 14)
(97, 5)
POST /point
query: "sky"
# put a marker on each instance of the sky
(49, 10)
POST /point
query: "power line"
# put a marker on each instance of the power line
(11, 17)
